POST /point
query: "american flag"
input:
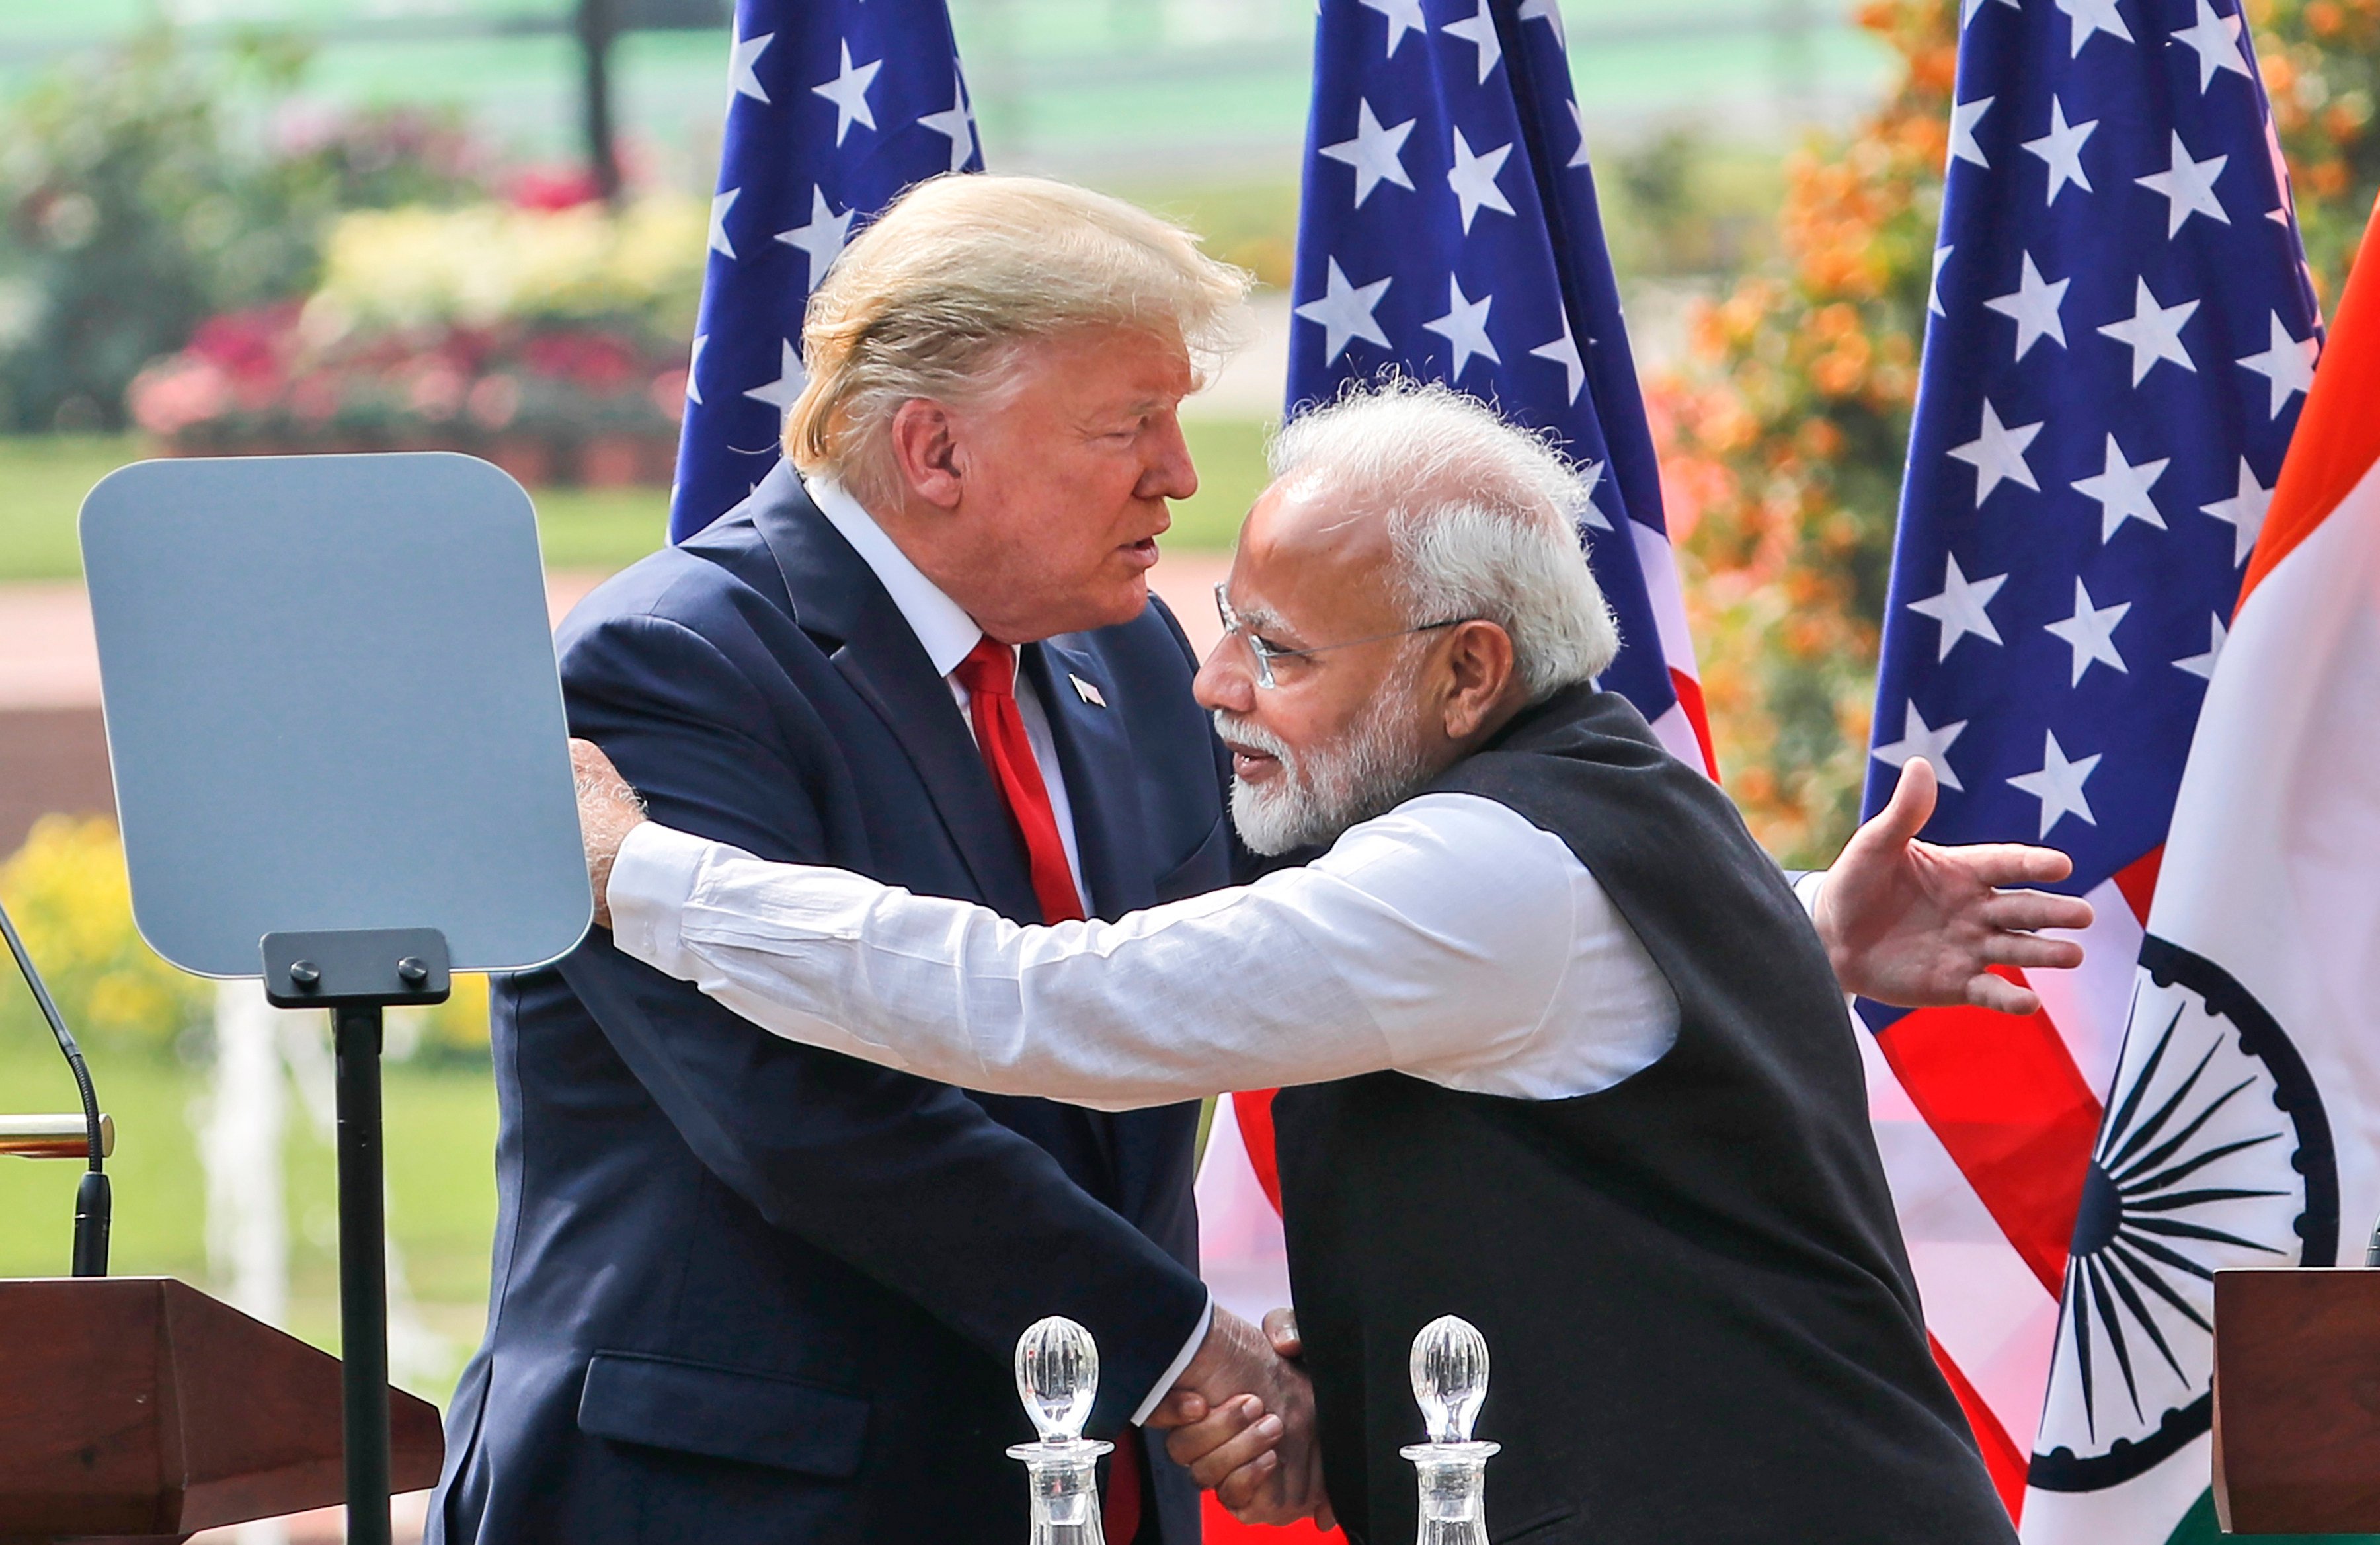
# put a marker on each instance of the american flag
(2123, 329)
(833, 108)
(1449, 231)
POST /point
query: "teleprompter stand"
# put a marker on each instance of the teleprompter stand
(356, 973)
(336, 727)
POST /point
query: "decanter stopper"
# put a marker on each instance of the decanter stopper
(1058, 1379)
(1450, 1380)
(1450, 1377)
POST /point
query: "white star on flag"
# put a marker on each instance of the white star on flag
(2280, 214)
(2202, 665)
(1960, 606)
(1563, 351)
(742, 53)
(955, 123)
(2058, 784)
(2061, 150)
(694, 362)
(1549, 12)
(1918, 740)
(1473, 178)
(2091, 633)
(2215, 40)
(2153, 331)
(1464, 327)
(1345, 313)
(1997, 453)
(2188, 188)
(2093, 16)
(1934, 285)
(848, 91)
(719, 204)
(2244, 511)
(1593, 473)
(1964, 117)
(823, 238)
(1967, 9)
(780, 393)
(1375, 153)
(2287, 365)
(1578, 120)
(1480, 31)
(2121, 491)
(1403, 16)
(2033, 304)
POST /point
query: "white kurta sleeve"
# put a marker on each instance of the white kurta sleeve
(1432, 940)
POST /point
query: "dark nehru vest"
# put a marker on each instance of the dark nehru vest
(1699, 1311)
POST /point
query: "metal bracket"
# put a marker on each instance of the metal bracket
(355, 967)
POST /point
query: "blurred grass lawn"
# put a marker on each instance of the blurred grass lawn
(442, 1124)
(43, 478)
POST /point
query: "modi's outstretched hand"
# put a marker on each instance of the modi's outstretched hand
(608, 810)
(1242, 1421)
(1910, 923)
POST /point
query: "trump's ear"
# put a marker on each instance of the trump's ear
(1479, 663)
(925, 450)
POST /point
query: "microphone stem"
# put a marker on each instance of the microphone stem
(91, 1201)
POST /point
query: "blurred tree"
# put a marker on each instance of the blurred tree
(136, 206)
(1783, 439)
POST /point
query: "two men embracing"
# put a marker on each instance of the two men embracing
(933, 939)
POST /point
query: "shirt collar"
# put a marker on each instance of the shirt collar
(941, 624)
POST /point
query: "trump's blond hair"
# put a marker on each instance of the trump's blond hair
(937, 298)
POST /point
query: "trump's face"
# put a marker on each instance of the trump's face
(1049, 497)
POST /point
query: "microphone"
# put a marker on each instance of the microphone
(95, 1209)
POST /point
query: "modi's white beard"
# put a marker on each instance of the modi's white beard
(1322, 792)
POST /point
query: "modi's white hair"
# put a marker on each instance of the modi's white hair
(942, 294)
(1486, 518)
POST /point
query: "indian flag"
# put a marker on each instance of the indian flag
(2243, 1128)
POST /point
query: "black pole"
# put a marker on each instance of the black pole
(363, 1273)
(599, 24)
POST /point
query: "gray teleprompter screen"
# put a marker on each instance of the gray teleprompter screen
(332, 703)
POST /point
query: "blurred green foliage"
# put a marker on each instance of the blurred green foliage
(140, 199)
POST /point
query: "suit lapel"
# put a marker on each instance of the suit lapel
(836, 595)
(1096, 757)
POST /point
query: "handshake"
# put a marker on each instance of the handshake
(1241, 1420)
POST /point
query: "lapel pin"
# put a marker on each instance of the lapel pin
(1085, 691)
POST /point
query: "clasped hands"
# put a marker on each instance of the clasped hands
(1241, 1420)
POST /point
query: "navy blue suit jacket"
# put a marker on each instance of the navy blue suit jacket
(747, 1290)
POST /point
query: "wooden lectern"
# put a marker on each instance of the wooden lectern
(139, 1408)
(2297, 1401)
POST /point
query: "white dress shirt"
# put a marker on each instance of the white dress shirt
(1449, 940)
(948, 634)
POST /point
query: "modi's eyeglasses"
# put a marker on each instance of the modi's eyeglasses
(1236, 627)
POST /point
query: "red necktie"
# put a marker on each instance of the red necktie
(988, 674)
